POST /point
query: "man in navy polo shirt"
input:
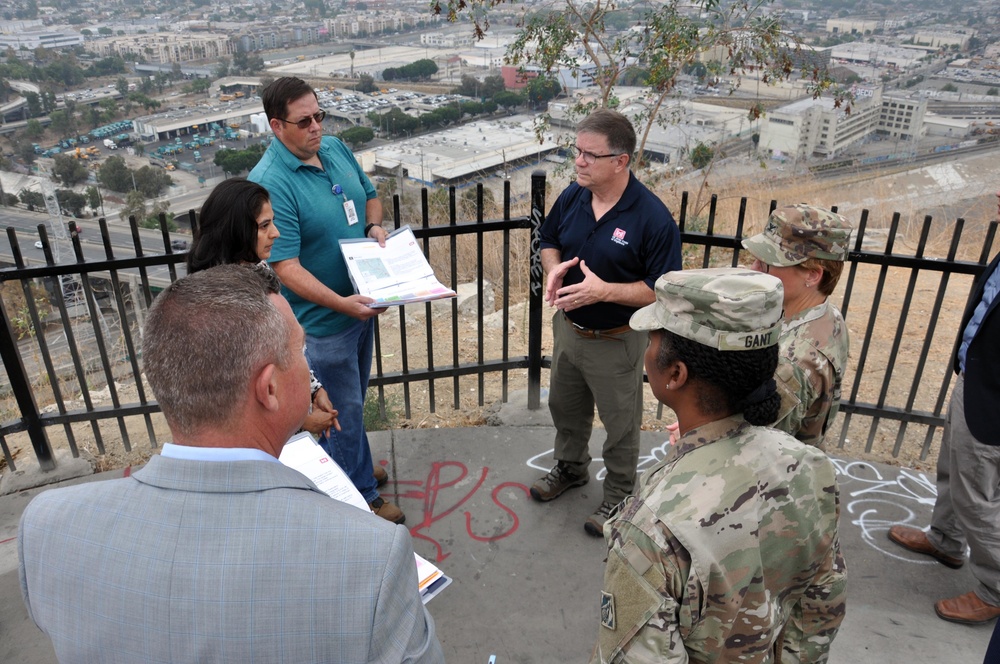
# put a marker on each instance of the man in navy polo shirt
(604, 243)
(320, 195)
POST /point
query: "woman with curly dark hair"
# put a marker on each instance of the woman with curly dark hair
(236, 225)
(729, 550)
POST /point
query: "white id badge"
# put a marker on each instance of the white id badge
(352, 214)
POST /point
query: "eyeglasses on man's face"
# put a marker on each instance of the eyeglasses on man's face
(307, 121)
(590, 158)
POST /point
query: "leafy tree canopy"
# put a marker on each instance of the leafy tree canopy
(581, 38)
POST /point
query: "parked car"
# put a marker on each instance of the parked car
(38, 244)
(179, 245)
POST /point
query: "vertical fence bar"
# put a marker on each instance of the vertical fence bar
(480, 309)
(425, 222)
(740, 221)
(710, 229)
(536, 284)
(453, 246)
(23, 394)
(505, 339)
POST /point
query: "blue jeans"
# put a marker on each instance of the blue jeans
(343, 363)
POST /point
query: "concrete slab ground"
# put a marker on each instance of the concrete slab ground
(527, 577)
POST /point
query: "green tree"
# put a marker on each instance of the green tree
(33, 129)
(222, 70)
(32, 199)
(949, 87)
(366, 84)
(541, 89)
(235, 162)
(68, 170)
(93, 195)
(115, 175)
(469, 86)
(508, 99)
(62, 123)
(993, 92)
(356, 136)
(135, 206)
(25, 151)
(153, 217)
(199, 85)
(70, 201)
(151, 181)
(34, 104)
(701, 156)
(122, 86)
(148, 103)
(742, 37)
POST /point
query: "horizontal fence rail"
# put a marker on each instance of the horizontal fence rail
(71, 330)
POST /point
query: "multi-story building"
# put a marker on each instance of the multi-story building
(853, 26)
(164, 47)
(901, 117)
(817, 127)
(39, 38)
(354, 24)
(447, 39)
(941, 39)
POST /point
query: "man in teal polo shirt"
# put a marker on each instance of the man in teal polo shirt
(320, 195)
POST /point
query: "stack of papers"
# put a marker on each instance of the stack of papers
(305, 455)
(397, 273)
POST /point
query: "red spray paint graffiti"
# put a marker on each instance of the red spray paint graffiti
(432, 491)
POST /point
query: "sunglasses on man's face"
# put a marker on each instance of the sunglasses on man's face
(307, 121)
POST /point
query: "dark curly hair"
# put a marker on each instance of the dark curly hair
(227, 225)
(725, 379)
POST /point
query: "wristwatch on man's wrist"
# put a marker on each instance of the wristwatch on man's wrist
(369, 227)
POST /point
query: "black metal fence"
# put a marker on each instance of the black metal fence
(70, 329)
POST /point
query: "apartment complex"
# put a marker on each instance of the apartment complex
(164, 47)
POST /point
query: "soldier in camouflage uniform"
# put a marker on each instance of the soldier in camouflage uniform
(805, 247)
(729, 551)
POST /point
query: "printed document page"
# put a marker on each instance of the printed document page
(305, 455)
(397, 273)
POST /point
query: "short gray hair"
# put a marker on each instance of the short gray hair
(614, 127)
(205, 338)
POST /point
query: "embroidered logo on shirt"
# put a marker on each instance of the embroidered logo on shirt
(619, 237)
(607, 610)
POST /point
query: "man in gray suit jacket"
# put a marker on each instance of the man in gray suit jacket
(215, 551)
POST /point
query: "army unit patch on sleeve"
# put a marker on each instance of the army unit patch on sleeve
(607, 610)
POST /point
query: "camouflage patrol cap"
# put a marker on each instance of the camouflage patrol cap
(725, 308)
(797, 233)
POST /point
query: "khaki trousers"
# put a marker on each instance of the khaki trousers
(967, 509)
(606, 372)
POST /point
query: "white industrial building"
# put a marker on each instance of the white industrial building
(817, 127)
(466, 152)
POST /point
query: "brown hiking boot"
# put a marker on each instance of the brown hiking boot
(557, 481)
(594, 525)
(387, 510)
(380, 475)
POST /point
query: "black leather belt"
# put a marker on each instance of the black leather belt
(588, 333)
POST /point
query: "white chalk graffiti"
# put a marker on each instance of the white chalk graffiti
(646, 461)
(874, 503)
(892, 496)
